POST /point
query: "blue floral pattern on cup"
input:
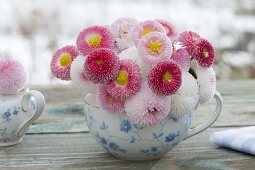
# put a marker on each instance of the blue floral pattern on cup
(128, 141)
(12, 117)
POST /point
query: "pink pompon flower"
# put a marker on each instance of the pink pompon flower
(204, 53)
(128, 82)
(182, 58)
(155, 46)
(61, 62)
(169, 29)
(121, 29)
(189, 39)
(79, 79)
(108, 102)
(186, 99)
(102, 65)
(147, 108)
(206, 79)
(165, 77)
(94, 37)
(12, 76)
(144, 28)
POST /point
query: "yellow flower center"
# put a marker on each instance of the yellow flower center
(122, 78)
(167, 77)
(100, 62)
(146, 31)
(94, 40)
(155, 46)
(205, 53)
(65, 60)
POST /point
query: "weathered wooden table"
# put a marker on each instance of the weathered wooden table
(59, 139)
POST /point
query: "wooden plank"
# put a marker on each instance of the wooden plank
(80, 151)
(64, 110)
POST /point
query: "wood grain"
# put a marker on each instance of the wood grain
(80, 151)
(64, 110)
(59, 139)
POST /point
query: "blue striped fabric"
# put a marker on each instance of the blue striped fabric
(241, 139)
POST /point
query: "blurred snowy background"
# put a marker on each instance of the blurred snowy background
(31, 30)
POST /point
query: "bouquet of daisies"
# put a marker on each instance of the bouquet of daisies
(144, 69)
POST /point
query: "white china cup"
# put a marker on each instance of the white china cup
(126, 141)
(17, 113)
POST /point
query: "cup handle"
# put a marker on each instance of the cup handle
(40, 104)
(211, 120)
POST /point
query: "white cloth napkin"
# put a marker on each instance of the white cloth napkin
(241, 139)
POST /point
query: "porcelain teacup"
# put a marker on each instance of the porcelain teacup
(17, 113)
(127, 141)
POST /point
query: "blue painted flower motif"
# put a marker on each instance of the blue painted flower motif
(125, 126)
(172, 136)
(155, 136)
(103, 126)
(154, 149)
(132, 139)
(114, 146)
(103, 140)
(15, 112)
(137, 127)
(175, 119)
(6, 115)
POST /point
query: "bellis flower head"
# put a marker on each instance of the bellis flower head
(79, 78)
(204, 53)
(169, 29)
(147, 108)
(144, 28)
(165, 77)
(102, 66)
(206, 79)
(108, 102)
(94, 37)
(61, 62)
(189, 39)
(121, 31)
(155, 46)
(186, 99)
(128, 82)
(182, 58)
(12, 76)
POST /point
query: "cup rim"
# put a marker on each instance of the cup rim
(22, 91)
(89, 95)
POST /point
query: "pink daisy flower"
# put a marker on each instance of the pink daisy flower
(206, 79)
(108, 102)
(102, 65)
(94, 37)
(13, 76)
(165, 77)
(147, 108)
(169, 29)
(155, 46)
(182, 58)
(204, 53)
(128, 82)
(144, 28)
(79, 79)
(61, 62)
(188, 39)
(121, 29)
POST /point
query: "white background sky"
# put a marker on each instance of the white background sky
(30, 30)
